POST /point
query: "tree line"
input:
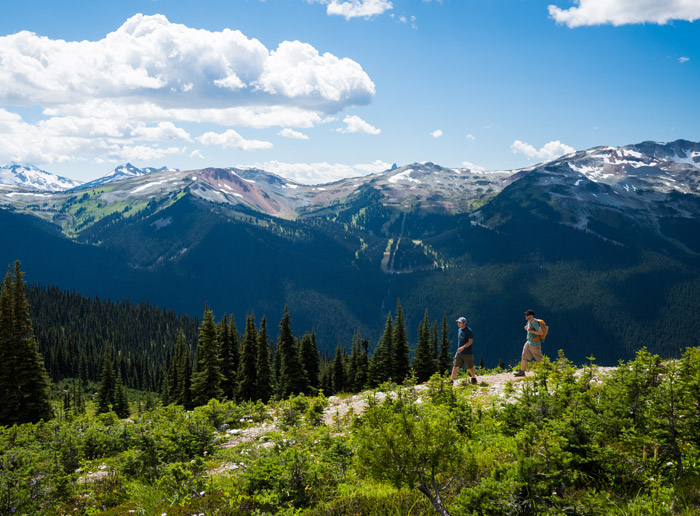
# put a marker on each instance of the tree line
(149, 351)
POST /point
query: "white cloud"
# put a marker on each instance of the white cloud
(196, 154)
(436, 133)
(354, 124)
(549, 151)
(473, 167)
(138, 82)
(470, 137)
(292, 134)
(622, 12)
(683, 59)
(231, 139)
(323, 172)
(355, 8)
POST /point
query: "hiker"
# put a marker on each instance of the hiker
(532, 348)
(465, 353)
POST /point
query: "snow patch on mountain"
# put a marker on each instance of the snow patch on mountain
(31, 177)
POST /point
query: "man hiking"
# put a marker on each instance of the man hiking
(532, 348)
(465, 353)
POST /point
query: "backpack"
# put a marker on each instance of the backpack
(545, 330)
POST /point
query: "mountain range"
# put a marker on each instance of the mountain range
(603, 243)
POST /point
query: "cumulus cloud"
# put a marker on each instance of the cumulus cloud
(549, 151)
(473, 167)
(292, 134)
(354, 124)
(65, 139)
(196, 154)
(623, 12)
(436, 133)
(355, 8)
(323, 172)
(231, 139)
(141, 81)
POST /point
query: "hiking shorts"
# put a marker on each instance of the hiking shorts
(463, 359)
(532, 352)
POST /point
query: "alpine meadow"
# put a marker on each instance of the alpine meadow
(350, 257)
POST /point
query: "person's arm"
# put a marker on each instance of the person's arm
(469, 343)
(538, 331)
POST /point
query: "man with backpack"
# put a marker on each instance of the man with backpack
(533, 345)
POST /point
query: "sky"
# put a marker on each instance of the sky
(319, 90)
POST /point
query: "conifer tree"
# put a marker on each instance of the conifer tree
(121, 401)
(292, 379)
(228, 342)
(186, 376)
(207, 377)
(380, 364)
(362, 366)
(108, 385)
(176, 372)
(310, 361)
(338, 371)
(401, 363)
(264, 380)
(445, 364)
(24, 384)
(423, 363)
(248, 368)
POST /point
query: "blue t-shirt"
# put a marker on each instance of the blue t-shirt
(463, 336)
(534, 325)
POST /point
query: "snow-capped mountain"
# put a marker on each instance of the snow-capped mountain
(122, 172)
(31, 177)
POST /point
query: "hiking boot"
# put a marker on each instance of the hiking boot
(520, 373)
(474, 380)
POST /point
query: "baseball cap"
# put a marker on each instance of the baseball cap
(462, 319)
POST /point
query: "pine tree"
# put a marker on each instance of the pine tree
(228, 370)
(228, 342)
(264, 380)
(445, 364)
(309, 359)
(423, 363)
(401, 364)
(207, 377)
(108, 385)
(339, 380)
(292, 378)
(176, 373)
(121, 402)
(24, 384)
(381, 362)
(186, 376)
(248, 368)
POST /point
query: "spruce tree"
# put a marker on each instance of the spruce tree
(445, 364)
(248, 368)
(108, 385)
(381, 362)
(292, 378)
(176, 373)
(264, 376)
(401, 367)
(309, 359)
(207, 377)
(423, 363)
(121, 401)
(228, 370)
(24, 384)
(339, 379)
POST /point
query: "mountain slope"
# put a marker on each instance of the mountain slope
(30, 177)
(604, 244)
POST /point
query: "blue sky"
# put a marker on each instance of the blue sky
(316, 90)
